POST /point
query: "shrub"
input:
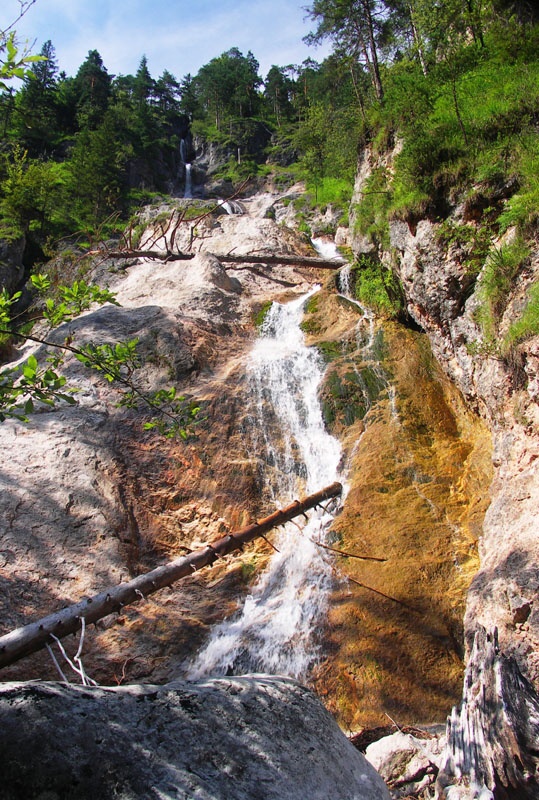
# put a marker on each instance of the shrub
(501, 268)
(377, 287)
(528, 324)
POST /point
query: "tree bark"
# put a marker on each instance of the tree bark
(283, 260)
(156, 254)
(492, 736)
(250, 258)
(31, 638)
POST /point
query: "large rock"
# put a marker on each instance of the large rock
(409, 765)
(250, 738)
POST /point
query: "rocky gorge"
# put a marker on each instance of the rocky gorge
(439, 454)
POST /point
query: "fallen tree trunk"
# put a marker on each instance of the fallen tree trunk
(30, 638)
(158, 255)
(492, 735)
(281, 260)
(228, 258)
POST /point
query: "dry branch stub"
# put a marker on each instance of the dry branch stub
(29, 639)
(492, 735)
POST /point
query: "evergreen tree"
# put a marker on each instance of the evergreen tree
(143, 84)
(167, 93)
(356, 28)
(36, 127)
(189, 103)
(278, 92)
(227, 86)
(93, 89)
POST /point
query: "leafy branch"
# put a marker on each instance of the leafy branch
(21, 386)
(13, 61)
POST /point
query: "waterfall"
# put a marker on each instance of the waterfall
(188, 193)
(275, 630)
(326, 248)
(232, 207)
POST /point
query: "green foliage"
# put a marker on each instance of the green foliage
(30, 192)
(502, 266)
(13, 62)
(522, 209)
(22, 386)
(115, 362)
(331, 191)
(372, 211)
(377, 287)
(226, 87)
(473, 240)
(528, 323)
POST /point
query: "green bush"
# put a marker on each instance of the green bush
(502, 266)
(377, 288)
(372, 210)
(528, 324)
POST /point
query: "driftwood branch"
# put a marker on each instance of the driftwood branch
(281, 260)
(259, 259)
(492, 735)
(26, 640)
(158, 255)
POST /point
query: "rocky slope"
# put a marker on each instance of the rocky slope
(91, 499)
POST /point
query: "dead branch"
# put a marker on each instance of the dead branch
(158, 255)
(26, 640)
(345, 554)
(382, 594)
(281, 260)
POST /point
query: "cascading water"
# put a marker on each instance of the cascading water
(188, 192)
(274, 631)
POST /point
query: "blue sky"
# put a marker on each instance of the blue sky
(178, 35)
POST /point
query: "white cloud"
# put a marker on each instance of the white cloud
(179, 36)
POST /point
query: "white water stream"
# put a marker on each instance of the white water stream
(188, 193)
(276, 629)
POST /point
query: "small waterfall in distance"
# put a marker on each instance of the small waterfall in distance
(274, 631)
(188, 192)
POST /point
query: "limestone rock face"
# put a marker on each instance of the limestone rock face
(249, 738)
(442, 294)
(442, 300)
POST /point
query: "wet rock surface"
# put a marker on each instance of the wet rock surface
(442, 291)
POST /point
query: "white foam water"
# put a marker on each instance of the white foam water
(276, 629)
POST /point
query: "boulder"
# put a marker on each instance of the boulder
(409, 765)
(250, 738)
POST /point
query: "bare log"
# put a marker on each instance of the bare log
(158, 255)
(272, 259)
(492, 735)
(26, 640)
(281, 260)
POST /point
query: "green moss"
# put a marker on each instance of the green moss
(330, 350)
(347, 396)
(260, 316)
